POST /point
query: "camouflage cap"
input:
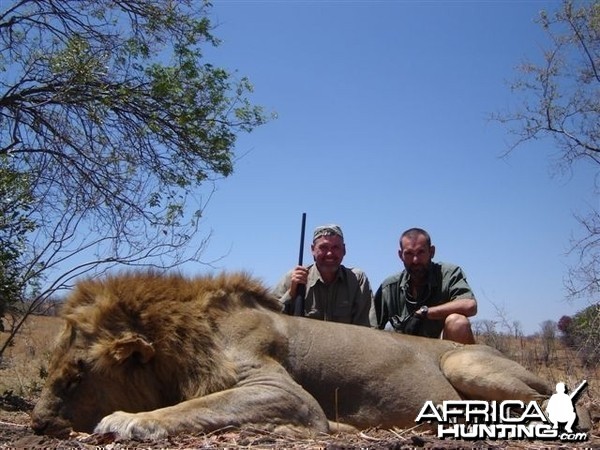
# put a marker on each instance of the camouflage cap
(328, 230)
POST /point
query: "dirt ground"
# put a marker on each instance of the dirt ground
(21, 379)
(15, 433)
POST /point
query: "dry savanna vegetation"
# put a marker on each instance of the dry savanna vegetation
(25, 363)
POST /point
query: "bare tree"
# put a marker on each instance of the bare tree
(560, 95)
(487, 333)
(548, 336)
(561, 101)
(109, 111)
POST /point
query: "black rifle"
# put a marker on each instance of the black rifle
(298, 307)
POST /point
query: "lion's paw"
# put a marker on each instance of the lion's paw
(132, 426)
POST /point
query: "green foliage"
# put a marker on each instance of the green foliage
(15, 226)
(113, 122)
(586, 334)
(112, 126)
(582, 332)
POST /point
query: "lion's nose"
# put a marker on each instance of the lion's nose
(45, 426)
(38, 424)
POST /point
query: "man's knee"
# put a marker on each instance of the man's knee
(456, 321)
(458, 328)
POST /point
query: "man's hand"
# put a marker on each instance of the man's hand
(299, 276)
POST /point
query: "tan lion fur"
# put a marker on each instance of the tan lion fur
(147, 355)
(169, 311)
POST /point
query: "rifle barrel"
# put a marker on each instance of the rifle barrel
(301, 289)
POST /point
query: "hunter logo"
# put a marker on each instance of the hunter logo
(560, 407)
(510, 419)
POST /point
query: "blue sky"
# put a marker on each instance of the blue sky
(383, 124)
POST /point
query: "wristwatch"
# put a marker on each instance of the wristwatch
(423, 310)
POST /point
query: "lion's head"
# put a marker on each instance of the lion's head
(140, 341)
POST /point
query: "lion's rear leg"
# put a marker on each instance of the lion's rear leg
(480, 372)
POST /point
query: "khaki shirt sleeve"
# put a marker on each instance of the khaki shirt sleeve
(378, 315)
(282, 290)
(362, 301)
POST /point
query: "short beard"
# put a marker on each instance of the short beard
(418, 272)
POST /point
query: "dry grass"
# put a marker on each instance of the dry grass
(25, 363)
(554, 362)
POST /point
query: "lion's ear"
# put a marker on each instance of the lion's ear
(132, 345)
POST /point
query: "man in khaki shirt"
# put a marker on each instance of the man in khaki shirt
(333, 292)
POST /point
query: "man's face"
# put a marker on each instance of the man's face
(416, 255)
(328, 252)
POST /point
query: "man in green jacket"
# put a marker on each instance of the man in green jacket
(427, 298)
(333, 292)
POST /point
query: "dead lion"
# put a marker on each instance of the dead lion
(145, 355)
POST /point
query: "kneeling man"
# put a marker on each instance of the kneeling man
(427, 298)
